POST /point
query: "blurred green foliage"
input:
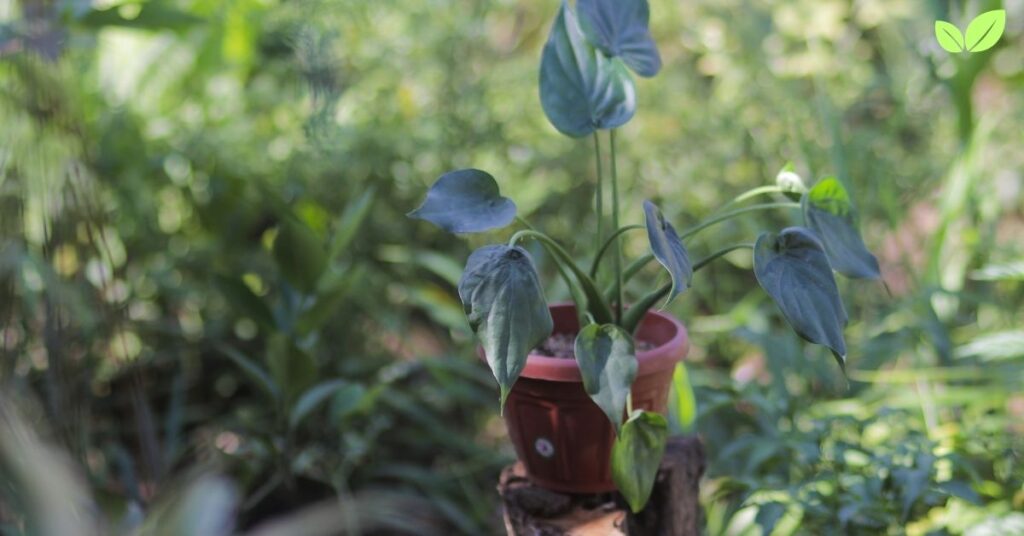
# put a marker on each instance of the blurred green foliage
(204, 264)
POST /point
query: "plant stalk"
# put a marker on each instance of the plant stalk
(598, 194)
(595, 301)
(732, 214)
(607, 244)
(615, 225)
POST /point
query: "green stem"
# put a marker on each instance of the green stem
(627, 274)
(761, 190)
(615, 225)
(599, 193)
(724, 251)
(607, 244)
(594, 300)
(732, 214)
(636, 313)
(524, 223)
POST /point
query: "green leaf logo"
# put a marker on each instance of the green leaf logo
(982, 33)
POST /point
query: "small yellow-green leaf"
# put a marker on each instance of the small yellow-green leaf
(949, 36)
(683, 403)
(985, 30)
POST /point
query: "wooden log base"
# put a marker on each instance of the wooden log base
(674, 508)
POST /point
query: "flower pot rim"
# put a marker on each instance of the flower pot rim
(661, 357)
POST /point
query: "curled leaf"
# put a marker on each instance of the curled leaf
(829, 212)
(619, 28)
(668, 248)
(466, 201)
(581, 89)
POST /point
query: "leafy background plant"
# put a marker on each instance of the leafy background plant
(161, 148)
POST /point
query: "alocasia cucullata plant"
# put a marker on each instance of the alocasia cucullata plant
(585, 87)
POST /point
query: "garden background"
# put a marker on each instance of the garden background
(172, 171)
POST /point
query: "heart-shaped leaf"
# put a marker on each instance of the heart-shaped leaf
(792, 268)
(607, 362)
(829, 212)
(466, 201)
(619, 29)
(636, 456)
(985, 30)
(502, 296)
(668, 249)
(949, 37)
(581, 89)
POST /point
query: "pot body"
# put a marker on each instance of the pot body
(563, 439)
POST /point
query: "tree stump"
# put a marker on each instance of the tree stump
(673, 510)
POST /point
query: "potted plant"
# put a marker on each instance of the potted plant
(594, 422)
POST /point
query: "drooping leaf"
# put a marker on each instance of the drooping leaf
(636, 456)
(792, 268)
(581, 89)
(683, 403)
(949, 37)
(668, 249)
(829, 212)
(619, 29)
(503, 299)
(985, 30)
(299, 253)
(607, 361)
(466, 201)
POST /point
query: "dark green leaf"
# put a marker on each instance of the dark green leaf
(466, 201)
(607, 362)
(328, 299)
(312, 398)
(793, 269)
(503, 300)
(619, 29)
(581, 89)
(636, 456)
(668, 249)
(252, 370)
(829, 212)
(242, 298)
(293, 369)
(299, 253)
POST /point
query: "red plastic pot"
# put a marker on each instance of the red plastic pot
(563, 439)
